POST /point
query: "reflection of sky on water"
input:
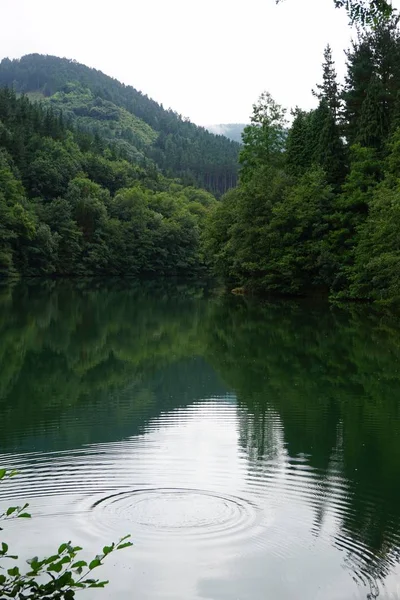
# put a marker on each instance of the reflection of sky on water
(276, 552)
(250, 449)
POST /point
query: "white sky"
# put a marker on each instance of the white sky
(207, 59)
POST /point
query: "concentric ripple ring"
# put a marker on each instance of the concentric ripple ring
(176, 511)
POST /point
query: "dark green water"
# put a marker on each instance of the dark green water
(251, 449)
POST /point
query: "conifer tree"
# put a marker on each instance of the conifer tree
(329, 89)
(373, 84)
(360, 70)
(374, 124)
(298, 144)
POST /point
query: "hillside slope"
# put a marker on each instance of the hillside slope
(71, 205)
(135, 123)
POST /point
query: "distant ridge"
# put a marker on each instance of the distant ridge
(142, 128)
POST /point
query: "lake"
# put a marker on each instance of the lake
(252, 449)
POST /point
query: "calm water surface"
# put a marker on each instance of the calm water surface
(251, 449)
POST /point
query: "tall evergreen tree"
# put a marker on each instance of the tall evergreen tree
(373, 84)
(329, 89)
(329, 150)
(264, 139)
(298, 144)
(374, 123)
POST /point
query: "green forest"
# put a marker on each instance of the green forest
(98, 179)
(138, 127)
(70, 204)
(317, 208)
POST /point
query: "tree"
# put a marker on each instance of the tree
(374, 125)
(299, 147)
(351, 209)
(264, 139)
(363, 11)
(297, 257)
(360, 70)
(373, 84)
(329, 89)
(328, 148)
(58, 216)
(376, 274)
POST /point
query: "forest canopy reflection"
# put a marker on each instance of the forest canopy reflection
(324, 380)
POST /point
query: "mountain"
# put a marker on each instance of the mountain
(72, 204)
(137, 125)
(232, 131)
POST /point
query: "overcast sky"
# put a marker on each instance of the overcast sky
(207, 59)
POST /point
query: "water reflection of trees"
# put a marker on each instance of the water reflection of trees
(70, 348)
(324, 380)
(333, 377)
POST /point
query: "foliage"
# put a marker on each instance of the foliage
(56, 577)
(316, 208)
(263, 140)
(372, 84)
(364, 11)
(71, 205)
(138, 128)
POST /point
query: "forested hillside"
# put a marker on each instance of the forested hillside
(318, 209)
(137, 125)
(71, 204)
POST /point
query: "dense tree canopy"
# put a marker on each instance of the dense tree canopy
(141, 129)
(317, 208)
(72, 206)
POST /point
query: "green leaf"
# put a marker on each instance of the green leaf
(11, 510)
(62, 548)
(2, 579)
(79, 564)
(51, 559)
(25, 516)
(4, 547)
(94, 563)
(56, 567)
(126, 545)
(98, 584)
(14, 572)
(108, 549)
(2, 473)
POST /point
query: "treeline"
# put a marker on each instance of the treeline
(71, 204)
(135, 122)
(318, 208)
